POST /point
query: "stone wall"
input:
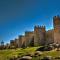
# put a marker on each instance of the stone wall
(49, 36)
(39, 35)
(21, 40)
(56, 22)
(29, 37)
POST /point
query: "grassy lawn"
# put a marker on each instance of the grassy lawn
(6, 54)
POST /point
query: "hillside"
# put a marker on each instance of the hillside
(8, 53)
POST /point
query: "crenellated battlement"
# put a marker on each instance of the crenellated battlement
(56, 17)
(39, 27)
(56, 21)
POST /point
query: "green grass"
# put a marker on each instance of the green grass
(8, 53)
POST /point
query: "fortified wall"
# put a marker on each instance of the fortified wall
(40, 36)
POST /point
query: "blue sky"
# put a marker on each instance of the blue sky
(18, 16)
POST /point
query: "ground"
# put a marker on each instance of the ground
(8, 53)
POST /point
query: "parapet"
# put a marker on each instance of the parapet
(28, 32)
(56, 17)
(12, 41)
(20, 36)
(39, 27)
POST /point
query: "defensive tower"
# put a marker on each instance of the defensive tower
(39, 35)
(56, 24)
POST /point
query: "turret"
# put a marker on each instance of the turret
(56, 21)
(2, 43)
(39, 35)
(41, 28)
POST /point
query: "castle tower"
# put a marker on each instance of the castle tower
(2, 43)
(56, 24)
(39, 35)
